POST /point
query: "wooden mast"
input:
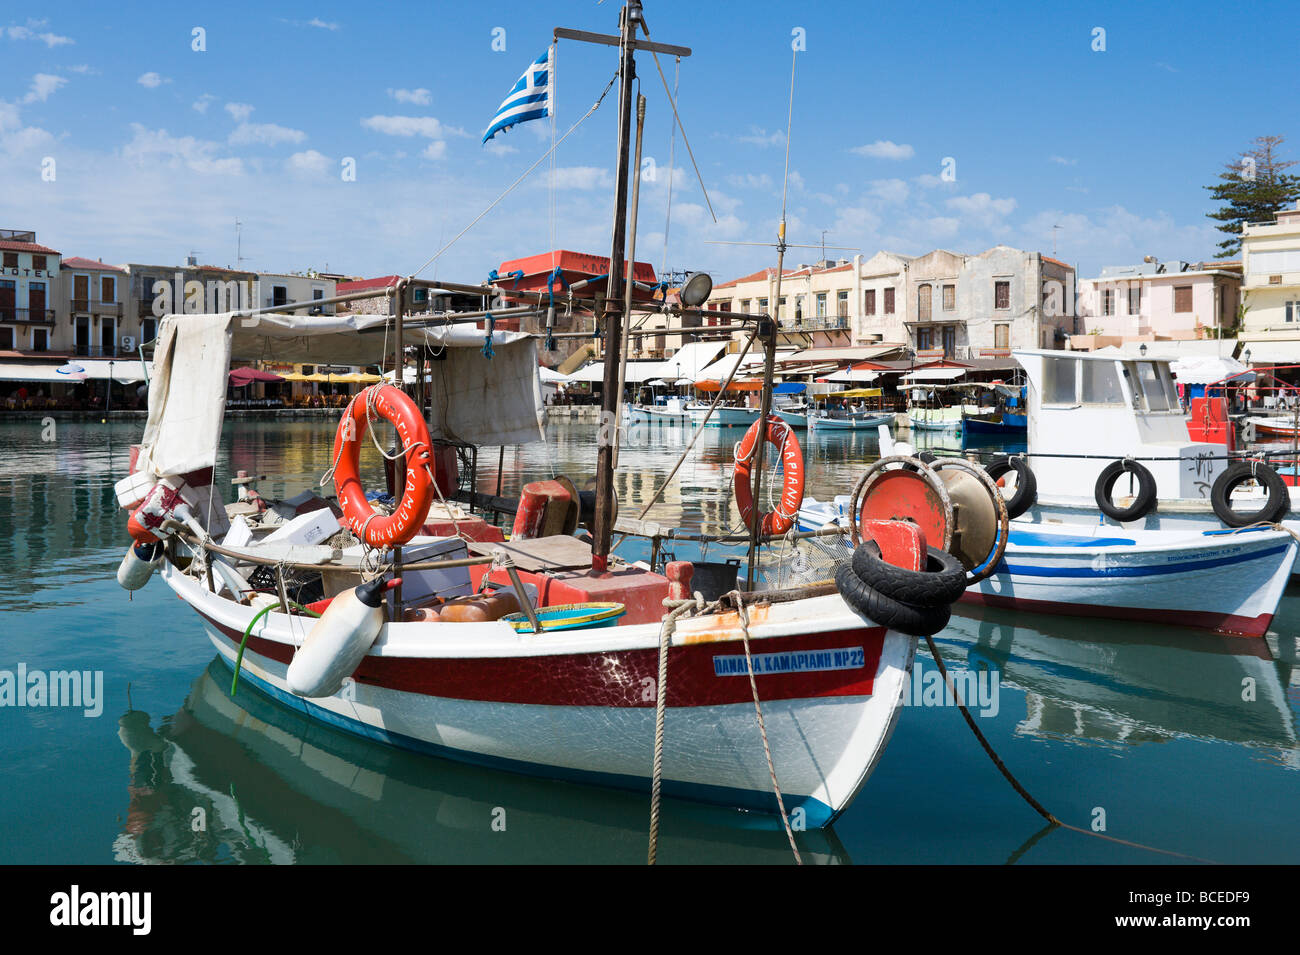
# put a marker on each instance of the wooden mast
(614, 317)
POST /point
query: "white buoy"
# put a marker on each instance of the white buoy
(138, 565)
(339, 640)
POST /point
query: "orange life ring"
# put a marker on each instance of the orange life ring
(400, 526)
(781, 435)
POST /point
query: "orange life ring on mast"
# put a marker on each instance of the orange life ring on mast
(400, 526)
(781, 435)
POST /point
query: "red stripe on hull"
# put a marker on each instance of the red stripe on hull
(617, 678)
(1232, 625)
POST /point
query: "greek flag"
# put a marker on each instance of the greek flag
(529, 99)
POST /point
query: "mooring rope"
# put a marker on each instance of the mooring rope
(661, 706)
(762, 728)
(1052, 820)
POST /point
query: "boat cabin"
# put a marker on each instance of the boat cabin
(1108, 407)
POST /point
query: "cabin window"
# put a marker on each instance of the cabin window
(1061, 381)
(1101, 384)
(1156, 388)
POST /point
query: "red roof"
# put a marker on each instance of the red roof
(76, 262)
(1064, 265)
(365, 285)
(9, 246)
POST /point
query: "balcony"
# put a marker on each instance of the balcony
(816, 323)
(27, 316)
(97, 307)
(99, 351)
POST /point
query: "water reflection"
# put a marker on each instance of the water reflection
(1106, 685)
(272, 786)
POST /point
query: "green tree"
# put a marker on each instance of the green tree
(1252, 189)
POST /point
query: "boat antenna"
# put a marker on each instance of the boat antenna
(769, 358)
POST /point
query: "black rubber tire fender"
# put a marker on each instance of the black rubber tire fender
(1144, 502)
(1275, 507)
(887, 612)
(942, 581)
(1026, 483)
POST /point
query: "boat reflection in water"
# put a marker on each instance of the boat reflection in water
(231, 762)
(1106, 684)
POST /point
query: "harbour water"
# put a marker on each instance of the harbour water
(1166, 737)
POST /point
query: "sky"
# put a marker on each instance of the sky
(915, 127)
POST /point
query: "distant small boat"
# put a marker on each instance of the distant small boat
(1273, 427)
(949, 425)
(863, 422)
(998, 423)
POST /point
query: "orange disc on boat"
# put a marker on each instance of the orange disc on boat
(781, 435)
(392, 404)
(905, 495)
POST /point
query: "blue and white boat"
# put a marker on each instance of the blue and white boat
(1225, 581)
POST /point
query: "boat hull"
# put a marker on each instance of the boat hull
(870, 423)
(1226, 584)
(830, 693)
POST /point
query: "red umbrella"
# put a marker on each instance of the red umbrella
(246, 376)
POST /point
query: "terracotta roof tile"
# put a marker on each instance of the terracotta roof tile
(76, 262)
(10, 246)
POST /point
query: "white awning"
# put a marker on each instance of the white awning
(551, 375)
(1271, 353)
(595, 371)
(124, 371)
(687, 361)
(18, 371)
(934, 374)
(852, 375)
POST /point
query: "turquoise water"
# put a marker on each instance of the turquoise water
(1143, 722)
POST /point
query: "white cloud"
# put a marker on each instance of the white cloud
(497, 148)
(750, 181)
(405, 126)
(761, 137)
(82, 68)
(580, 177)
(982, 206)
(1062, 161)
(149, 146)
(885, 149)
(26, 139)
(268, 134)
(43, 84)
(51, 40)
(435, 150)
(309, 162)
(321, 24)
(240, 111)
(890, 190)
(421, 96)
(152, 80)
(201, 104)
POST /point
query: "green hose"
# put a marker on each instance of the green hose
(239, 657)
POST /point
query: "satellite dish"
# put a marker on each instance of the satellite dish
(697, 289)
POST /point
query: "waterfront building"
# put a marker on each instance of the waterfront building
(1270, 253)
(94, 295)
(1158, 301)
(29, 293)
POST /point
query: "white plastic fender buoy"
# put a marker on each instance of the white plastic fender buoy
(138, 565)
(339, 640)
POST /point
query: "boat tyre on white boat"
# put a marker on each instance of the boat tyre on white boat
(1026, 492)
(1276, 505)
(1144, 501)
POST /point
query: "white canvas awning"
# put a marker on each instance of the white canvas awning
(687, 362)
(1205, 370)
(854, 375)
(550, 375)
(1271, 353)
(934, 374)
(19, 371)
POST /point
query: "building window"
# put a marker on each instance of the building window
(40, 339)
(11, 260)
(1001, 294)
(762, 306)
(869, 302)
(821, 304)
(1293, 311)
(1001, 336)
(949, 297)
(923, 303)
(924, 338)
(780, 308)
(1134, 301)
(148, 330)
(842, 304)
(107, 289)
(1108, 301)
(889, 301)
(38, 262)
(1182, 298)
(6, 338)
(744, 305)
(279, 295)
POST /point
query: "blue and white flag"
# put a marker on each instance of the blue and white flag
(530, 98)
